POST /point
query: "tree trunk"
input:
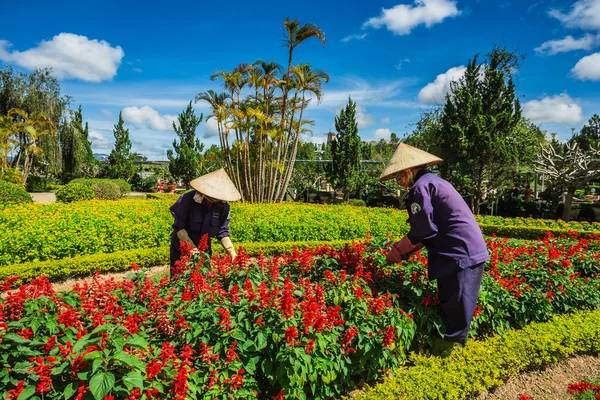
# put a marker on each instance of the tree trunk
(568, 203)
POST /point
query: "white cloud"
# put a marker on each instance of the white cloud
(569, 43)
(365, 94)
(403, 18)
(357, 36)
(211, 128)
(383, 133)
(588, 68)
(106, 113)
(385, 120)
(436, 90)
(139, 70)
(584, 14)
(99, 142)
(149, 117)
(558, 109)
(363, 118)
(400, 63)
(70, 56)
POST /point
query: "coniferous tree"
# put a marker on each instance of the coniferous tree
(120, 160)
(344, 169)
(186, 156)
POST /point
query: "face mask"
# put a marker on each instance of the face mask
(198, 197)
(406, 178)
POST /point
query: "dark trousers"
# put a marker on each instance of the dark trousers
(458, 295)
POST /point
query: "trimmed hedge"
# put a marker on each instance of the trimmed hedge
(11, 193)
(529, 232)
(91, 227)
(121, 260)
(483, 365)
(74, 192)
(124, 187)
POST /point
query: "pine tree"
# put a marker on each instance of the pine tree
(479, 125)
(344, 169)
(78, 159)
(120, 160)
(185, 160)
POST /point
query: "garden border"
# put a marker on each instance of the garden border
(483, 365)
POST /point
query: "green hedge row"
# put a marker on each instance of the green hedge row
(528, 232)
(41, 232)
(121, 260)
(483, 365)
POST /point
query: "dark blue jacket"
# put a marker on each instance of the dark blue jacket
(198, 219)
(441, 220)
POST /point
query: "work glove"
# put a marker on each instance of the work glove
(401, 250)
(183, 236)
(228, 246)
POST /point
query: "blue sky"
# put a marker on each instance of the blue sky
(394, 57)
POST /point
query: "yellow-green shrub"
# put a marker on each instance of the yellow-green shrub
(121, 260)
(483, 365)
(53, 231)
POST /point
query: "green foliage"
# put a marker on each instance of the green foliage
(77, 156)
(106, 191)
(74, 192)
(589, 137)
(36, 92)
(37, 184)
(483, 365)
(120, 160)
(124, 187)
(11, 193)
(356, 202)
(65, 230)
(119, 261)
(12, 175)
(147, 184)
(345, 151)
(185, 158)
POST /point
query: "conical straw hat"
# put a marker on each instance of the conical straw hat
(407, 157)
(217, 185)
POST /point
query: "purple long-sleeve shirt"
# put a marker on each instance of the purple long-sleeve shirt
(441, 220)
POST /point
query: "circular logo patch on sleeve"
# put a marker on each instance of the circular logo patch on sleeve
(415, 208)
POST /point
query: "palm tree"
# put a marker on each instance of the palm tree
(307, 81)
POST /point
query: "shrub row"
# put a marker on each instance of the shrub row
(121, 260)
(531, 232)
(11, 193)
(483, 365)
(538, 223)
(124, 187)
(54, 231)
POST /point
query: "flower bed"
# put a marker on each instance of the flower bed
(315, 323)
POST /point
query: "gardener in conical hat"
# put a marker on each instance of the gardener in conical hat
(441, 221)
(204, 210)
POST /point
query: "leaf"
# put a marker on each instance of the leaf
(101, 384)
(261, 341)
(27, 393)
(69, 390)
(92, 356)
(60, 369)
(133, 380)
(137, 342)
(13, 337)
(130, 360)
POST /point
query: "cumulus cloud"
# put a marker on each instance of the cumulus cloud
(99, 141)
(584, 14)
(403, 18)
(569, 43)
(558, 109)
(588, 68)
(383, 133)
(357, 36)
(211, 128)
(363, 118)
(436, 90)
(70, 56)
(149, 117)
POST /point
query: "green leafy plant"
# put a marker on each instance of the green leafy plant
(11, 193)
